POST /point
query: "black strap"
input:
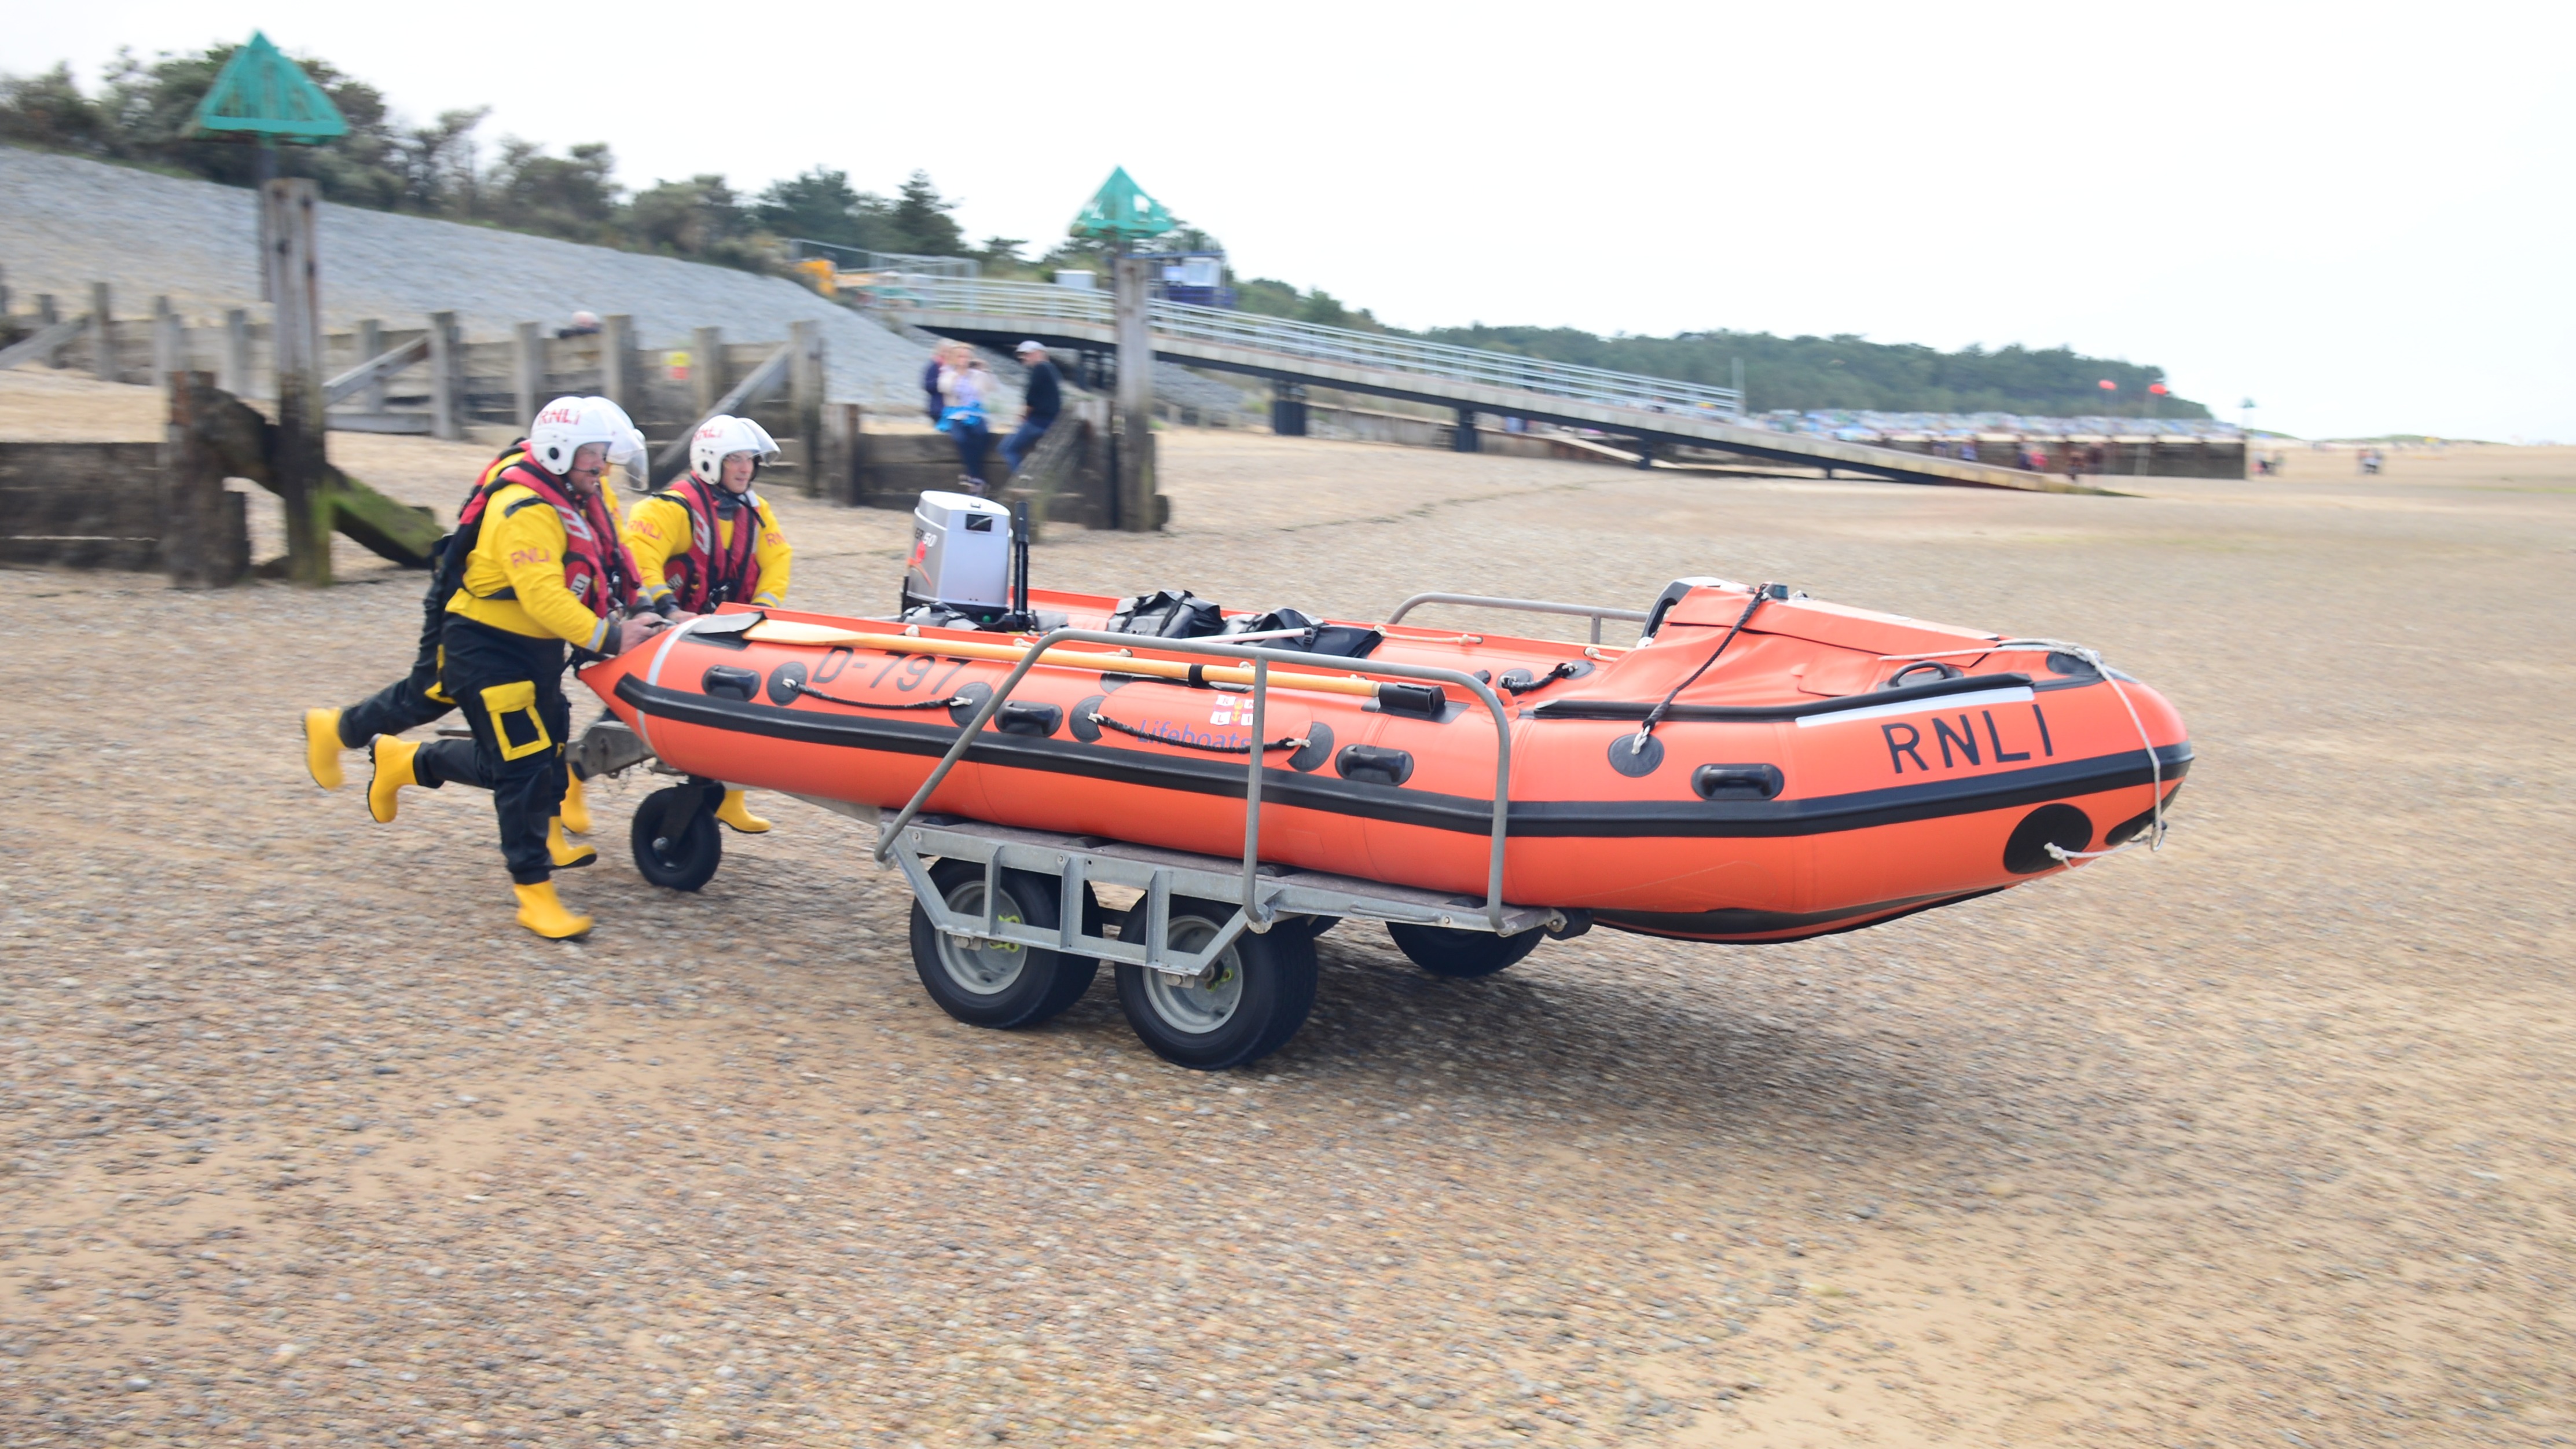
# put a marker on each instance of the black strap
(1564, 670)
(1655, 716)
(1124, 728)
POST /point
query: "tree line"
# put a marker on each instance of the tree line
(141, 111)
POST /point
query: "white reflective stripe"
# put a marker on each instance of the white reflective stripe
(2010, 694)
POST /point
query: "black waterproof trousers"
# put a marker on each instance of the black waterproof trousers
(413, 700)
(510, 688)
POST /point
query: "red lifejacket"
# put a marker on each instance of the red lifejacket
(598, 571)
(709, 573)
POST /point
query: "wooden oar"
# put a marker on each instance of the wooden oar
(790, 631)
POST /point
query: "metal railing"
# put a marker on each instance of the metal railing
(1595, 612)
(861, 259)
(1253, 913)
(1216, 326)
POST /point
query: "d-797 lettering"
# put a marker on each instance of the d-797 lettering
(1905, 742)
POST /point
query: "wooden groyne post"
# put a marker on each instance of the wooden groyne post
(298, 464)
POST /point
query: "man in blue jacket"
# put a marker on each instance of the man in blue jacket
(1044, 394)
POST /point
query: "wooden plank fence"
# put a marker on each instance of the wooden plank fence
(426, 379)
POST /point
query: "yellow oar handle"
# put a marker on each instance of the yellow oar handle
(788, 631)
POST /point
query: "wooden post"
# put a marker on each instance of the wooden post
(527, 369)
(617, 364)
(371, 345)
(236, 368)
(102, 335)
(839, 467)
(205, 543)
(169, 345)
(1137, 510)
(47, 315)
(446, 385)
(805, 394)
(706, 368)
(298, 463)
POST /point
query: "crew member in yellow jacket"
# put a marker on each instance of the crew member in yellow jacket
(708, 539)
(548, 568)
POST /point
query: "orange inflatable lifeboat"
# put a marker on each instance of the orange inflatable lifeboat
(1757, 766)
(1831, 768)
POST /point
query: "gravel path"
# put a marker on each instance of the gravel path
(2259, 1141)
(65, 223)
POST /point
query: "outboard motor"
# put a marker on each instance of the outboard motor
(961, 555)
(969, 565)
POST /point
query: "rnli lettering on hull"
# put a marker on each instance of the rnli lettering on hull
(1957, 743)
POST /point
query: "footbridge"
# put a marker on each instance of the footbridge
(1652, 410)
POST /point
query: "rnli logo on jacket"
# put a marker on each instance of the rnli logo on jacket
(524, 557)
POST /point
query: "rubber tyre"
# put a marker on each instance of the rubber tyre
(1000, 986)
(1444, 952)
(1266, 987)
(680, 859)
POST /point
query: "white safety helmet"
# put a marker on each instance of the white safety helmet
(719, 438)
(563, 426)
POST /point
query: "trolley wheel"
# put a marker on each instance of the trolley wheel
(1251, 1000)
(674, 837)
(1444, 952)
(1000, 983)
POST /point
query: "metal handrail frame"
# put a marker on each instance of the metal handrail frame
(1595, 612)
(1253, 914)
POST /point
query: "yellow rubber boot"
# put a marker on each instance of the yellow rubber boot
(393, 771)
(563, 852)
(576, 810)
(737, 814)
(322, 747)
(540, 912)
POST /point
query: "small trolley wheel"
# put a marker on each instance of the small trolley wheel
(674, 837)
(1246, 1005)
(1000, 983)
(1445, 952)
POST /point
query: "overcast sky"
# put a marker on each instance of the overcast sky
(2358, 215)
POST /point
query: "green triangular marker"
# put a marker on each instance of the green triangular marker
(260, 93)
(1121, 211)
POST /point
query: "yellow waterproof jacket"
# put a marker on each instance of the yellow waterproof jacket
(514, 578)
(659, 528)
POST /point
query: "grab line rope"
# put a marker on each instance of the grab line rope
(2154, 840)
(951, 701)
